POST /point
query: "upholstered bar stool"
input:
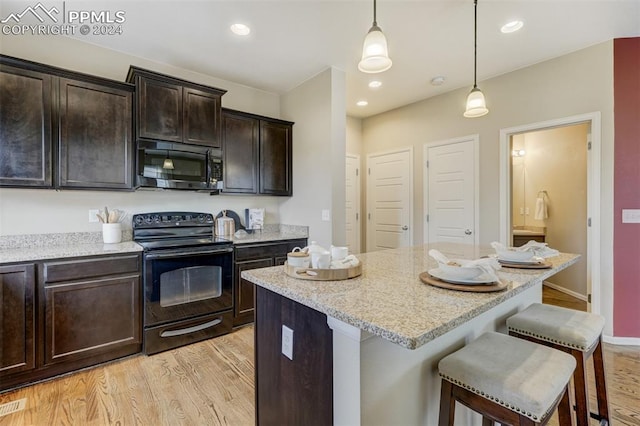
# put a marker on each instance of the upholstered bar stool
(507, 380)
(577, 333)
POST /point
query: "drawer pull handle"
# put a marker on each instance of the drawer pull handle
(173, 333)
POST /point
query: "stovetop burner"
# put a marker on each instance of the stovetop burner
(164, 230)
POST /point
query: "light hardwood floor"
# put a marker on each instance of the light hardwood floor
(211, 383)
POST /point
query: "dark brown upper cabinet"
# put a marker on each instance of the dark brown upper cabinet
(257, 154)
(96, 148)
(175, 110)
(26, 136)
(63, 129)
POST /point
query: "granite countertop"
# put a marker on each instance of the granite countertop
(25, 254)
(34, 247)
(389, 300)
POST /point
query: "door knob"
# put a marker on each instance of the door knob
(405, 227)
(467, 231)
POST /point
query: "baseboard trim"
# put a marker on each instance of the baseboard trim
(622, 341)
(565, 291)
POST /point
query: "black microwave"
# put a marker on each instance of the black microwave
(178, 166)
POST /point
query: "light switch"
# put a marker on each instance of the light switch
(93, 215)
(326, 215)
(630, 215)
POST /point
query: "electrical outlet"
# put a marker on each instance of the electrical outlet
(93, 215)
(287, 342)
(326, 215)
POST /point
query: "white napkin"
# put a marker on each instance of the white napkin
(538, 249)
(489, 265)
(347, 262)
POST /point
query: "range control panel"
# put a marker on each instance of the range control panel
(173, 219)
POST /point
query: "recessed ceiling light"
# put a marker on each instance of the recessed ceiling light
(362, 103)
(437, 81)
(375, 84)
(511, 27)
(240, 29)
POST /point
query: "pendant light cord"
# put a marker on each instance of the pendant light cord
(375, 24)
(475, 41)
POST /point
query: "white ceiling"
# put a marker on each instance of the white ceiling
(293, 40)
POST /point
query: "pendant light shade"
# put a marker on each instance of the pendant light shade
(375, 54)
(476, 104)
(168, 163)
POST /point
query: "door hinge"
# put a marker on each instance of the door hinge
(357, 216)
(369, 216)
(427, 218)
(589, 222)
(369, 170)
(356, 172)
(589, 298)
(427, 163)
(589, 146)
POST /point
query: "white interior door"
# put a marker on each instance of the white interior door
(390, 199)
(451, 191)
(352, 202)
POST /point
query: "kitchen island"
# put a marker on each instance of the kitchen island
(382, 337)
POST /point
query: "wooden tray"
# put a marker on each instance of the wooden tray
(481, 288)
(322, 274)
(541, 265)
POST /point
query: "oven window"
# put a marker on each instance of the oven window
(186, 285)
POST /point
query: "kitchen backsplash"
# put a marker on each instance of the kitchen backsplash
(34, 211)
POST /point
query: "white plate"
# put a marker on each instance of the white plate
(533, 261)
(482, 279)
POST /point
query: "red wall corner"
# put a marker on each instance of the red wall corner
(626, 238)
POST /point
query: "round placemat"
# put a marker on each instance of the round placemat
(481, 288)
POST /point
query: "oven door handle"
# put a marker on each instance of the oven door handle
(173, 255)
(182, 331)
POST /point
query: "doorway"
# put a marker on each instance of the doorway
(540, 156)
(451, 190)
(390, 199)
(352, 204)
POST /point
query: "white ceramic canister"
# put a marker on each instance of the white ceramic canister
(298, 258)
(111, 233)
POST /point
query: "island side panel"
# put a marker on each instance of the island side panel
(298, 391)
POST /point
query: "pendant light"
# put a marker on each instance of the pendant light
(168, 163)
(476, 104)
(375, 55)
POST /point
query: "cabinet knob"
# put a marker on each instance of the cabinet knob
(467, 231)
(405, 227)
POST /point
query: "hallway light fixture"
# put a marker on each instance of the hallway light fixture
(476, 104)
(375, 55)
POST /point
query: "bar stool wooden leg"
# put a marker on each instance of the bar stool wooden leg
(601, 385)
(487, 422)
(580, 384)
(564, 409)
(447, 404)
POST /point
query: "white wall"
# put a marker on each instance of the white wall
(577, 83)
(27, 211)
(317, 107)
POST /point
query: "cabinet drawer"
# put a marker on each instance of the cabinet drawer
(260, 251)
(82, 269)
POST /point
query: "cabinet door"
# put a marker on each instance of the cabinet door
(240, 150)
(90, 318)
(25, 128)
(244, 291)
(17, 319)
(95, 136)
(201, 117)
(275, 158)
(159, 110)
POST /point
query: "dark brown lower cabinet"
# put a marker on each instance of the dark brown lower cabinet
(296, 391)
(17, 319)
(88, 311)
(253, 256)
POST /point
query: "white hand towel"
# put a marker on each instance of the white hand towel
(541, 209)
